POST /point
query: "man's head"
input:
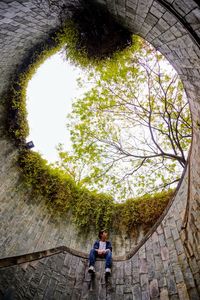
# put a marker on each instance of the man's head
(103, 234)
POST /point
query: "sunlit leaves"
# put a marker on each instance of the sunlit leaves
(132, 129)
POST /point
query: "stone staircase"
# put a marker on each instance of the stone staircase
(158, 270)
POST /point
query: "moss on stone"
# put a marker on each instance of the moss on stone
(89, 208)
(99, 34)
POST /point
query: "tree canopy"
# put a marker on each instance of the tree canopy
(131, 131)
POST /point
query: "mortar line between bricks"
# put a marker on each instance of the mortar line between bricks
(185, 24)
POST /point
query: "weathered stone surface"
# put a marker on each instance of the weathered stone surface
(164, 294)
(143, 265)
(167, 265)
(164, 253)
(154, 291)
(182, 291)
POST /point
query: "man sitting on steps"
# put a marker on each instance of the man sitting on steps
(101, 248)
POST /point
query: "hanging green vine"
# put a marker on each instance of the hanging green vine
(89, 208)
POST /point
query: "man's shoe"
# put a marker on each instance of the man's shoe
(91, 269)
(108, 271)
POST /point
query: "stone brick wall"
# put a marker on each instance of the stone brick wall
(159, 269)
(28, 226)
(165, 265)
(173, 27)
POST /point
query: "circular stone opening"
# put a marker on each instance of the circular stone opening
(52, 193)
(139, 98)
(136, 66)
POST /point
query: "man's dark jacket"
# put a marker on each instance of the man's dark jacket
(108, 245)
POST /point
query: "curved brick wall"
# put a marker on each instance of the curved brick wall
(165, 265)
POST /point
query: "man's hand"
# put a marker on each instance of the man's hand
(101, 252)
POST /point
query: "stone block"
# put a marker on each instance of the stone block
(169, 18)
(39, 296)
(182, 291)
(158, 263)
(50, 288)
(85, 290)
(179, 246)
(144, 282)
(131, 6)
(161, 277)
(128, 268)
(119, 289)
(173, 256)
(142, 9)
(150, 265)
(43, 284)
(119, 273)
(142, 252)
(154, 237)
(128, 296)
(183, 7)
(136, 291)
(159, 229)
(156, 248)
(164, 253)
(194, 293)
(143, 265)
(178, 273)
(170, 244)
(167, 232)
(175, 233)
(151, 19)
(154, 11)
(145, 295)
(164, 294)
(163, 25)
(135, 275)
(153, 287)
(188, 277)
(171, 284)
(130, 16)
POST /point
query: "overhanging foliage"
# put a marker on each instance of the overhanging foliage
(131, 131)
(89, 209)
(99, 35)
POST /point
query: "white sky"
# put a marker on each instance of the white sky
(49, 98)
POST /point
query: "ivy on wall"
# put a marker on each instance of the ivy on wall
(87, 208)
